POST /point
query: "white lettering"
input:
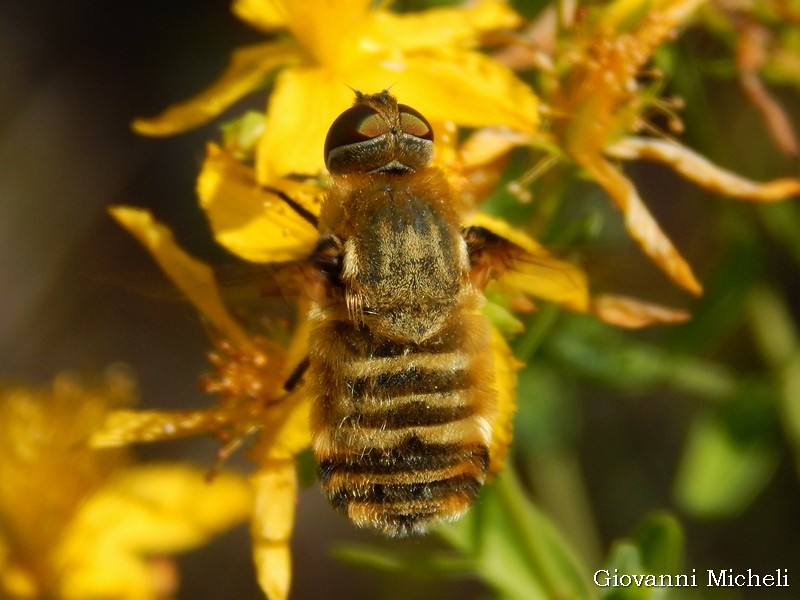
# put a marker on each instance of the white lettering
(682, 580)
(714, 581)
(606, 578)
(605, 575)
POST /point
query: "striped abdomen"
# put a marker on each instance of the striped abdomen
(401, 431)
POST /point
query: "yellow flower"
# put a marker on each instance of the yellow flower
(78, 523)
(427, 58)
(249, 374)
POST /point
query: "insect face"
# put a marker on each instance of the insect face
(378, 135)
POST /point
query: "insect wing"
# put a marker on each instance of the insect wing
(499, 252)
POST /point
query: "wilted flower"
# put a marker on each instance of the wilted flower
(596, 88)
(79, 523)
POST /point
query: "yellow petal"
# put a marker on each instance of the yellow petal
(703, 172)
(465, 87)
(505, 382)
(248, 221)
(15, 581)
(301, 108)
(247, 69)
(286, 430)
(306, 101)
(666, 14)
(676, 12)
(326, 29)
(298, 346)
(490, 143)
(640, 223)
(193, 278)
(438, 27)
(275, 485)
(632, 313)
(110, 574)
(540, 275)
(144, 511)
(261, 14)
(123, 427)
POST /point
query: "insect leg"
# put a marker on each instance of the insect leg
(302, 212)
(297, 375)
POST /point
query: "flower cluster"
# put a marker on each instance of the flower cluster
(79, 523)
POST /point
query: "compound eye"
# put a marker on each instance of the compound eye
(413, 123)
(357, 124)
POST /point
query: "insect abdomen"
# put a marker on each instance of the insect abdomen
(401, 432)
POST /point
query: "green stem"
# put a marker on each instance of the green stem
(535, 331)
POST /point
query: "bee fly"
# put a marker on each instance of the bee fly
(399, 365)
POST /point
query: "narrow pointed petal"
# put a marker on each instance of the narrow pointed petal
(298, 346)
(640, 223)
(464, 87)
(703, 172)
(265, 15)
(247, 220)
(539, 274)
(123, 427)
(285, 432)
(248, 67)
(275, 485)
(505, 382)
(438, 27)
(195, 279)
(489, 144)
(628, 312)
(665, 15)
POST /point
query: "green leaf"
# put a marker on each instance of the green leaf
(722, 471)
(419, 564)
(661, 542)
(306, 467)
(637, 565)
(602, 353)
(625, 559)
(242, 134)
(776, 336)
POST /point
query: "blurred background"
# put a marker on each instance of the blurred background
(73, 77)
